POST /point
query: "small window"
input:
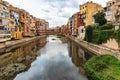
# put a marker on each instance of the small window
(1, 27)
(1, 14)
(6, 15)
(4, 8)
(0, 21)
(113, 2)
(118, 6)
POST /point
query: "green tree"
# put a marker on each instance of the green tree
(89, 33)
(100, 18)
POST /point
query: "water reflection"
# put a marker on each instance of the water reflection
(80, 59)
(52, 63)
(79, 55)
(22, 55)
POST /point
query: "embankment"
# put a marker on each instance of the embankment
(9, 45)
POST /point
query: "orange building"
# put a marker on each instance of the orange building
(25, 22)
(32, 24)
(37, 26)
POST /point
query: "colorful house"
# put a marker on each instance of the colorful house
(25, 23)
(87, 10)
(112, 11)
(14, 24)
(4, 22)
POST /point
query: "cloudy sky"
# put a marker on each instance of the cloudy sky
(56, 12)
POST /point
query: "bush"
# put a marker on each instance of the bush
(60, 35)
(95, 26)
(89, 33)
(106, 35)
(98, 35)
(103, 67)
(101, 36)
(107, 26)
(118, 34)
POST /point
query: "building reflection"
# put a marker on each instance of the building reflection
(79, 56)
(24, 54)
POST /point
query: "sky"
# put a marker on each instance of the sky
(56, 12)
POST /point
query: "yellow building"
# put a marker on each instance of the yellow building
(88, 9)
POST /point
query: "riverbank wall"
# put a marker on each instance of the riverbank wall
(9, 45)
(93, 48)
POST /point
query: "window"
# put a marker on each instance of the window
(0, 21)
(1, 14)
(108, 13)
(109, 8)
(82, 30)
(113, 2)
(4, 8)
(118, 6)
(6, 15)
(1, 27)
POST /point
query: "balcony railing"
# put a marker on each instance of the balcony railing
(22, 20)
(4, 32)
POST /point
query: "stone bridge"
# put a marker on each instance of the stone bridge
(81, 47)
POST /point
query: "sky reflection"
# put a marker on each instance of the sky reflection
(52, 63)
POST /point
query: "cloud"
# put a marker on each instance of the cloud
(56, 12)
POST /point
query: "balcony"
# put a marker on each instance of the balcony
(22, 20)
(11, 19)
(11, 26)
(83, 16)
(4, 32)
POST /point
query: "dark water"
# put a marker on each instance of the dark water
(52, 63)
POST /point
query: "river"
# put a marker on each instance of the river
(52, 63)
(18, 58)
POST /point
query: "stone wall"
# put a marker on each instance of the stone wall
(96, 49)
(9, 45)
(112, 43)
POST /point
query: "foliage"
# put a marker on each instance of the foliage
(106, 35)
(100, 18)
(95, 26)
(60, 35)
(89, 33)
(103, 67)
(106, 26)
(99, 35)
(117, 33)
(96, 37)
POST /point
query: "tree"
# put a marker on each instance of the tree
(89, 33)
(100, 18)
